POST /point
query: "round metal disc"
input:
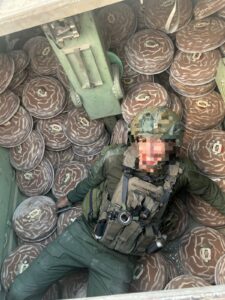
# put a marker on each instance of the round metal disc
(9, 104)
(200, 250)
(6, 71)
(15, 131)
(150, 274)
(204, 213)
(79, 129)
(38, 181)
(141, 96)
(186, 281)
(67, 176)
(205, 8)
(149, 51)
(220, 270)
(201, 35)
(44, 97)
(190, 90)
(93, 149)
(120, 21)
(52, 131)
(35, 218)
(120, 133)
(157, 13)
(195, 68)
(204, 112)
(21, 60)
(43, 59)
(17, 262)
(207, 150)
(176, 104)
(29, 154)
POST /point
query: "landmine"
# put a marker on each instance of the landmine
(44, 97)
(79, 129)
(204, 213)
(6, 71)
(93, 149)
(149, 51)
(157, 14)
(17, 262)
(9, 105)
(130, 77)
(53, 157)
(21, 60)
(193, 91)
(35, 219)
(52, 131)
(141, 96)
(220, 270)
(205, 8)
(120, 133)
(186, 281)
(201, 35)
(66, 155)
(43, 243)
(150, 274)
(176, 104)
(67, 176)
(15, 131)
(119, 20)
(43, 59)
(195, 68)
(206, 151)
(28, 155)
(38, 181)
(200, 250)
(18, 79)
(204, 112)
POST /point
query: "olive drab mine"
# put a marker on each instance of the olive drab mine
(112, 125)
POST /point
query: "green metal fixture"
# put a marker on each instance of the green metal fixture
(78, 44)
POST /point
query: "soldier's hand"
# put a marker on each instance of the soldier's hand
(62, 202)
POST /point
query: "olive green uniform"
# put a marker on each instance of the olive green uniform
(109, 271)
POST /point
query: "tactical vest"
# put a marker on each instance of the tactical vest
(129, 222)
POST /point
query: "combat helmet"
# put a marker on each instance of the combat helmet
(159, 122)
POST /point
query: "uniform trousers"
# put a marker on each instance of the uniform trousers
(110, 272)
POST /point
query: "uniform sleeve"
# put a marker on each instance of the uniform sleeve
(95, 176)
(200, 185)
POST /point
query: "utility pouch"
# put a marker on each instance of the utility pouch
(112, 232)
(144, 240)
(127, 238)
(92, 203)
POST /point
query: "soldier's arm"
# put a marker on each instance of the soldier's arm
(96, 174)
(200, 185)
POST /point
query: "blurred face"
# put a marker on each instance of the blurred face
(151, 151)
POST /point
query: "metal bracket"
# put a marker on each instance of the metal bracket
(63, 29)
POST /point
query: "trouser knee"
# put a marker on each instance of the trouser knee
(16, 292)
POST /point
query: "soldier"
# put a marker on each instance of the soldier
(124, 199)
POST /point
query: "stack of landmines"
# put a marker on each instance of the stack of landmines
(168, 61)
